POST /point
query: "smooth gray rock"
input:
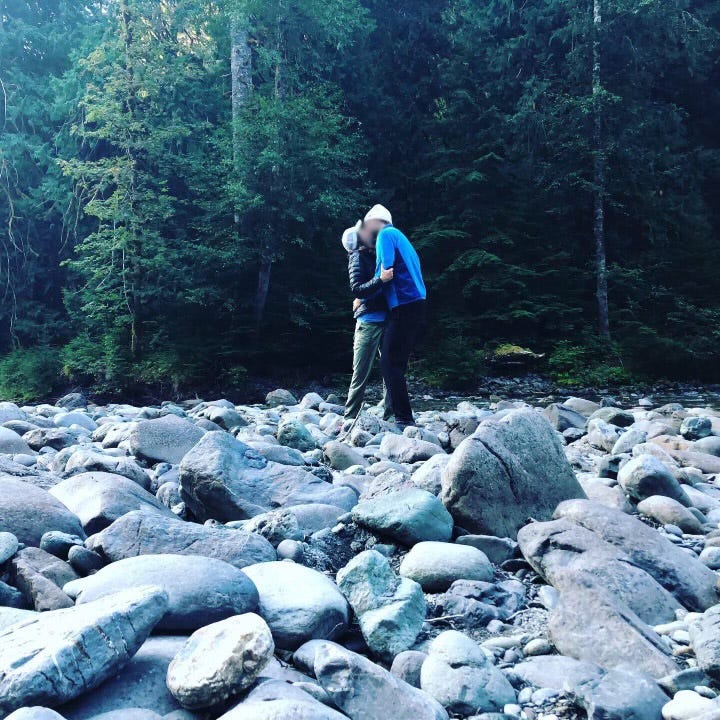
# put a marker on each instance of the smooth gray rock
(644, 475)
(34, 713)
(667, 511)
(557, 672)
(692, 584)
(140, 533)
(390, 609)
(293, 434)
(510, 469)
(705, 641)
(40, 576)
(568, 555)
(603, 435)
(28, 512)
(403, 449)
(8, 546)
(696, 428)
(435, 565)
(407, 516)
(497, 549)
(622, 693)
(275, 700)
(614, 416)
(99, 498)
(11, 615)
(72, 401)
(56, 656)
(165, 439)
(407, 665)
(591, 625)
(10, 411)
(279, 453)
(86, 460)
(628, 440)
(341, 456)
(429, 475)
(12, 444)
(562, 417)
(224, 479)
(200, 590)
(138, 684)
(365, 691)
(220, 660)
(298, 603)
(280, 397)
(461, 677)
(56, 438)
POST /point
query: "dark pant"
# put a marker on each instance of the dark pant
(401, 335)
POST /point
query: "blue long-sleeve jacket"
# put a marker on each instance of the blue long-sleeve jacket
(395, 251)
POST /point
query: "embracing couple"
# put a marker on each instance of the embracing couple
(389, 306)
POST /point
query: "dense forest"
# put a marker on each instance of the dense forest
(175, 176)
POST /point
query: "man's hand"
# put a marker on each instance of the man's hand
(387, 274)
(357, 302)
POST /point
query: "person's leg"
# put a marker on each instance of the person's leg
(393, 366)
(404, 330)
(365, 347)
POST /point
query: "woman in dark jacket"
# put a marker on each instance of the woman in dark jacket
(370, 312)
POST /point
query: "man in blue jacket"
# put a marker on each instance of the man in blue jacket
(405, 295)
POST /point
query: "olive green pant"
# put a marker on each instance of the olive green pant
(366, 345)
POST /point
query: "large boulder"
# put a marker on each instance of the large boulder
(200, 590)
(390, 609)
(692, 584)
(364, 690)
(568, 555)
(28, 512)
(165, 439)
(99, 498)
(509, 470)
(56, 656)
(407, 516)
(298, 603)
(220, 660)
(142, 533)
(225, 479)
(139, 684)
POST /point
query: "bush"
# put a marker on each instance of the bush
(571, 364)
(29, 374)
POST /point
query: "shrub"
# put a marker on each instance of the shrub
(29, 374)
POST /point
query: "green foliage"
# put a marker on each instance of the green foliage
(161, 243)
(584, 365)
(29, 374)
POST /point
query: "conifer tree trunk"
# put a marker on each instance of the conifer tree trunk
(240, 79)
(267, 245)
(599, 181)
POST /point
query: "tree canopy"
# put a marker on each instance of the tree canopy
(175, 177)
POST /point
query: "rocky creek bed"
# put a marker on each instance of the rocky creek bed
(504, 559)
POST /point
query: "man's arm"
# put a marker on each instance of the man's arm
(385, 250)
